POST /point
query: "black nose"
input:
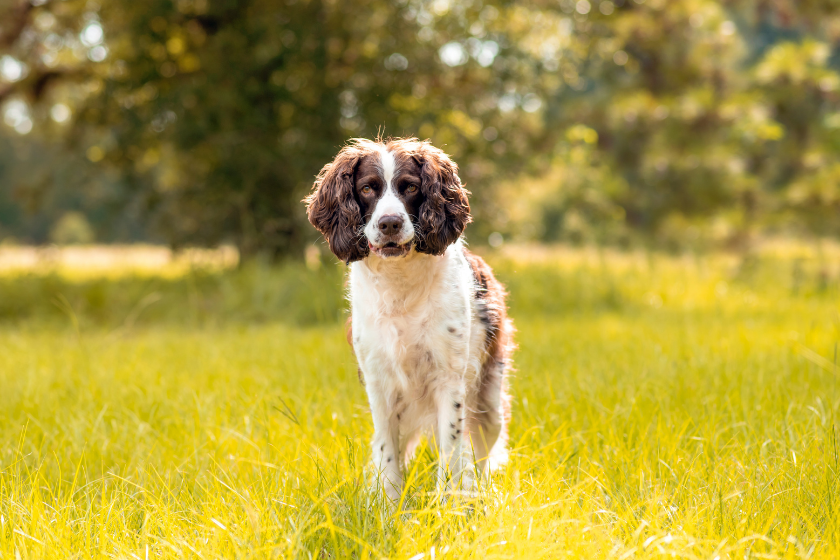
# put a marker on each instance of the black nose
(390, 225)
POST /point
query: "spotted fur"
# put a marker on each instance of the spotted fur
(429, 325)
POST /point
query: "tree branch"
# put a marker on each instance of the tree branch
(17, 20)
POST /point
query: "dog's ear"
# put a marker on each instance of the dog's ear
(332, 207)
(445, 212)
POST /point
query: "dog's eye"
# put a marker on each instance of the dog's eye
(411, 188)
(366, 189)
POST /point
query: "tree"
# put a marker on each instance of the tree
(698, 111)
(219, 114)
(640, 116)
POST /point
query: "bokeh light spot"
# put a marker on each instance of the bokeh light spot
(11, 69)
(396, 62)
(453, 54)
(620, 58)
(95, 154)
(92, 34)
(16, 115)
(60, 113)
(531, 103)
(98, 53)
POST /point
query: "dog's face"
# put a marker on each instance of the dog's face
(387, 197)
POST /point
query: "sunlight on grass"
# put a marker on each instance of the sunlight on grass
(113, 261)
(663, 407)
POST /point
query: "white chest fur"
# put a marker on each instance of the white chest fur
(412, 321)
(420, 346)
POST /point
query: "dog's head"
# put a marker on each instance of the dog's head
(386, 197)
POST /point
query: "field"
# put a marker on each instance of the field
(664, 407)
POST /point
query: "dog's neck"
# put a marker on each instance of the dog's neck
(412, 268)
(404, 282)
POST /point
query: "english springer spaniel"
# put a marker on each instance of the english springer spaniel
(429, 322)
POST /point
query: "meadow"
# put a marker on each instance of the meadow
(665, 406)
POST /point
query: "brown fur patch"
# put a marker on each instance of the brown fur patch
(490, 296)
(332, 206)
(442, 208)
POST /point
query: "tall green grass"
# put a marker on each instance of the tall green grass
(663, 407)
(256, 292)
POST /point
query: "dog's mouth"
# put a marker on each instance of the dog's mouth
(391, 249)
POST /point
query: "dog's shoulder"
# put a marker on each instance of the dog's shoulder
(487, 287)
(489, 298)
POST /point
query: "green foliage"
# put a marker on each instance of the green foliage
(706, 114)
(72, 228)
(219, 114)
(215, 115)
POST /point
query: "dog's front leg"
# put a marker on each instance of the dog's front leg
(454, 472)
(386, 442)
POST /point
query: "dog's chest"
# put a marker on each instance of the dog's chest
(411, 337)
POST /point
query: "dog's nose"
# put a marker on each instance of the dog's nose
(390, 225)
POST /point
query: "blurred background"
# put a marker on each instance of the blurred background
(656, 183)
(629, 123)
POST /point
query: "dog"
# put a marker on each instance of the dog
(429, 322)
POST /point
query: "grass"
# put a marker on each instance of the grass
(677, 407)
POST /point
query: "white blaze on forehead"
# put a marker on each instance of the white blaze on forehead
(389, 165)
(389, 203)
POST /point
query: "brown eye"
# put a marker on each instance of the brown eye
(366, 189)
(411, 189)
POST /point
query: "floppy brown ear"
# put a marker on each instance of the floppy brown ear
(446, 211)
(333, 210)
